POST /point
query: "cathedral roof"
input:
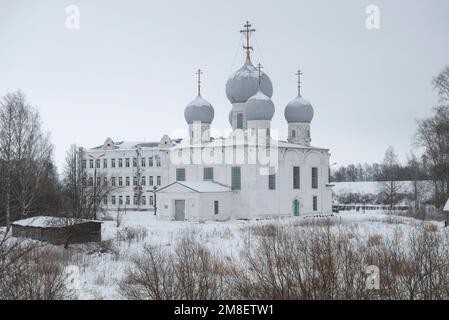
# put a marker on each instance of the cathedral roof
(199, 110)
(259, 107)
(298, 110)
(244, 83)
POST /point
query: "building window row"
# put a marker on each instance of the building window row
(143, 181)
(126, 200)
(153, 161)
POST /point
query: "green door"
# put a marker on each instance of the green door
(296, 208)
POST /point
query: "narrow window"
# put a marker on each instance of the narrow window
(151, 180)
(105, 181)
(143, 199)
(91, 164)
(150, 161)
(113, 200)
(135, 200)
(120, 181)
(208, 174)
(134, 181)
(105, 163)
(120, 200)
(158, 161)
(180, 174)
(158, 180)
(143, 162)
(272, 182)
(98, 182)
(127, 162)
(295, 177)
(113, 181)
(314, 178)
(144, 180)
(134, 162)
(120, 162)
(97, 163)
(235, 178)
(216, 207)
(293, 133)
(315, 203)
(127, 200)
(151, 200)
(113, 163)
(127, 181)
(239, 120)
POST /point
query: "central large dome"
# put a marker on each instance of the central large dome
(244, 83)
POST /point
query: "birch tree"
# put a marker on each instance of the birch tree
(25, 156)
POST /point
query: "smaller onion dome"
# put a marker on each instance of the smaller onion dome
(199, 110)
(298, 110)
(259, 107)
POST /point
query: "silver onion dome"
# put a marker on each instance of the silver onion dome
(259, 107)
(199, 110)
(244, 83)
(298, 110)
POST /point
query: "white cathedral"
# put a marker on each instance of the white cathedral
(248, 174)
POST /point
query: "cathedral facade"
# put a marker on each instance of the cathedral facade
(248, 174)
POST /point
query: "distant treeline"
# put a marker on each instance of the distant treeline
(375, 172)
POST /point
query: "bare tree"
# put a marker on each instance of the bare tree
(25, 155)
(82, 194)
(390, 186)
(433, 136)
(7, 115)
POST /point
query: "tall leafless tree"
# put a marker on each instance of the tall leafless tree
(390, 185)
(433, 136)
(80, 198)
(25, 156)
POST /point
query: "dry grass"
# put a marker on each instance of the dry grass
(374, 239)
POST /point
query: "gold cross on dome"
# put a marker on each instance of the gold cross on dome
(247, 31)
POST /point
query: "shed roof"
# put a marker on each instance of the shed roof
(47, 221)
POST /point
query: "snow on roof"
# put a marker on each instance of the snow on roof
(446, 206)
(129, 145)
(230, 142)
(201, 186)
(47, 221)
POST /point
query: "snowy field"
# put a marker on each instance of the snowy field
(103, 265)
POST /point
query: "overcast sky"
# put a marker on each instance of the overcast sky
(129, 71)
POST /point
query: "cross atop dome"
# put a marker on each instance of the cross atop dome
(247, 31)
(199, 73)
(299, 74)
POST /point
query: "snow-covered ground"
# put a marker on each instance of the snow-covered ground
(101, 269)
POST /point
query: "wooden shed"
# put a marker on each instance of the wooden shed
(57, 230)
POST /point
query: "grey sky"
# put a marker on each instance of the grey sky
(130, 70)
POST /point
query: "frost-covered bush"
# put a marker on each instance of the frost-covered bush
(189, 271)
(30, 272)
